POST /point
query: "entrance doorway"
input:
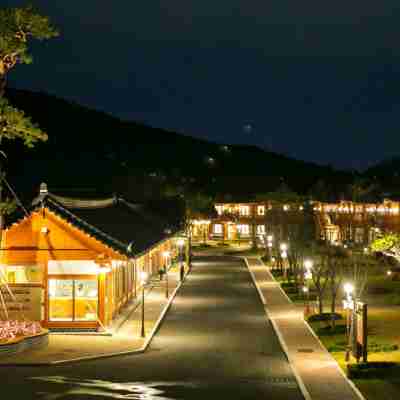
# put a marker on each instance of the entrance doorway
(73, 299)
(231, 231)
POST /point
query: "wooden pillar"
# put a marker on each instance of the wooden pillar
(102, 294)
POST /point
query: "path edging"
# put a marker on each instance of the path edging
(278, 333)
(351, 383)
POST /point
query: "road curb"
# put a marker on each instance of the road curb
(278, 333)
(141, 350)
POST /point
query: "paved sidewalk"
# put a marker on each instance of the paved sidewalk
(318, 372)
(123, 337)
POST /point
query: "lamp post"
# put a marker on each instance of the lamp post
(348, 305)
(306, 293)
(143, 280)
(308, 264)
(180, 244)
(270, 238)
(284, 257)
(166, 255)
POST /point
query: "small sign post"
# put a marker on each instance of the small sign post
(360, 338)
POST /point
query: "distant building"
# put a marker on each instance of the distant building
(358, 223)
(253, 220)
(343, 222)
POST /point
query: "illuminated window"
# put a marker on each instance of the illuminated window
(260, 210)
(243, 229)
(73, 299)
(23, 274)
(244, 210)
(218, 229)
(260, 229)
(219, 209)
(359, 237)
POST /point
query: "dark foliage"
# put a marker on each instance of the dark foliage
(373, 370)
(89, 149)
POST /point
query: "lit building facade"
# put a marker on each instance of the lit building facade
(75, 263)
(249, 221)
(358, 223)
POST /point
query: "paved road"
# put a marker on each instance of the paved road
(215, 343)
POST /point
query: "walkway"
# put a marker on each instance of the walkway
(321, 375)
(123, 337)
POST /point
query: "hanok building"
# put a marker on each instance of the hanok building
(75, 263)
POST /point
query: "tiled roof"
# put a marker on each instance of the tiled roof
(127, 228)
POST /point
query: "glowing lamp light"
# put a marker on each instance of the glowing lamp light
(308, 264)
(308, 275)
(270, 238)
(269, 244)
(180, 242)
(388, 272)
(348, 304)
(166, 254)
(273, 259)
(283, 247)
(103, 269)
(284, 254)
(143, 277)
(348, 289)
(305, 289)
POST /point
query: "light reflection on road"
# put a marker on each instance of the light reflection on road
(87, 388)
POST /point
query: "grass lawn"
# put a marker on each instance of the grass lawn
(383, 337)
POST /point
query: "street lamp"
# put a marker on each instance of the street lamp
(283, 247)
(308, 264)
(348, 304)
(181, 243)
(143, 280)
(166, 254)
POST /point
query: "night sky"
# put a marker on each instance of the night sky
(317, 80)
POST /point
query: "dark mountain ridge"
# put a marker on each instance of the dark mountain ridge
(91, 149)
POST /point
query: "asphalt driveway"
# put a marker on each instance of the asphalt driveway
(214, 343)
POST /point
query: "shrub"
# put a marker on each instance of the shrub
(393, 299)
(324, 317)
(337, 346)
(372, 370)
(328, 331)
(379, 290)
(222, 244)
(382, 347)
(288, 285)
